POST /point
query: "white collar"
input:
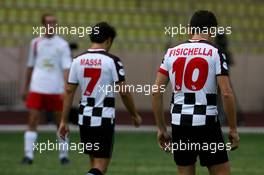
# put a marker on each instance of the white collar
(96, 50)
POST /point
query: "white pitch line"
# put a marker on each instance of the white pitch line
(119, 128)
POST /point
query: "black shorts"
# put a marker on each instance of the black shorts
(205, 142)
(98, 141)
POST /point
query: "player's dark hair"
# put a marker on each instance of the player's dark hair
(202, 19)
(43, 17)
(101, 32)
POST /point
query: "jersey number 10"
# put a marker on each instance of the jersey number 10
(186, 75)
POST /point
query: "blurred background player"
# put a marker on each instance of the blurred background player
(194, 101)
(94, 71)
(48, 66)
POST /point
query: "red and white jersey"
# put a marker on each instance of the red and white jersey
(95, 71)
(49, 57)
(192, 68)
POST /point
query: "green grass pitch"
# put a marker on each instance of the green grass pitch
(134, 154)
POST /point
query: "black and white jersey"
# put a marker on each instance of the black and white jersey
(96, 70)
(192, 68)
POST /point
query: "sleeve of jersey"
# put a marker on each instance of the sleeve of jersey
(66, 57)
(163, 67)
(118, 71)
(31, 59)
(221, 64)
(73, 78)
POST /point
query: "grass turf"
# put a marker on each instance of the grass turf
(134, 154)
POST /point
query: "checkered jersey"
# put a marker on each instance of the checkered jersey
(95, 70)
(192, 68)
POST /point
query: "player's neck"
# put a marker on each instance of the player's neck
(98, 46)
(49, 35)
(200, 37)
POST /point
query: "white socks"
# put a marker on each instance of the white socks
(30, 137)
(63, 147)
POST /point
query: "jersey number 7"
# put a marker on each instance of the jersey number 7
(198, 64)
(94, 74)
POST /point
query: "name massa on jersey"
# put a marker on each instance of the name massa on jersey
(91, 62)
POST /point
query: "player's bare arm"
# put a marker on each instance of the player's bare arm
(157, 105)
(27, 82)
(67, 103)
(65, 75)
(230, 109)
(129, 104)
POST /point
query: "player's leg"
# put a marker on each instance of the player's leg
(34, 116)
(33, 102)
(30, 136)
(99, 166)
(186, 170)
(91, 160)
(220, 169)
(63, 151)
(54, 103)
(216, 158)
(98, 144)
(185, 159)
(57, 115)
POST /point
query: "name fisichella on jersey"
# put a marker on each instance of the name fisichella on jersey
(190, 51)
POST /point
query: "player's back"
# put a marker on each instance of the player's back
(192, 68)
(95, 71)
